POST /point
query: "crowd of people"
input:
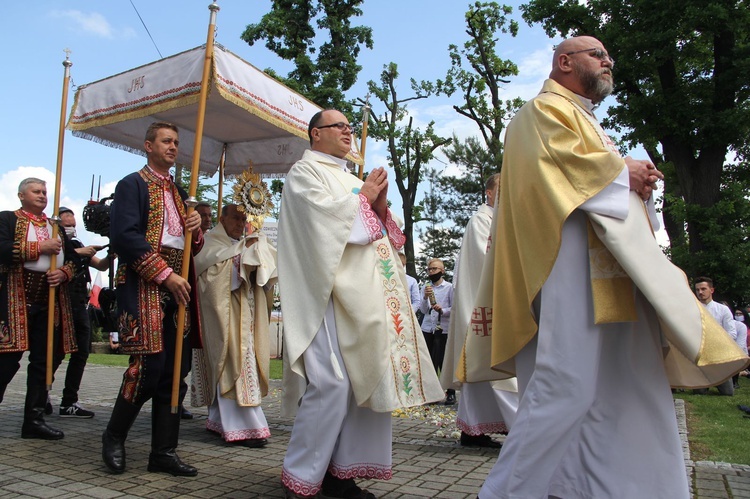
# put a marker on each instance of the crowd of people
(565, 327)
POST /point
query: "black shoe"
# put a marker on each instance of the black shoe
(185, 414)
(75, 411)
(37, 428)
(165, 431)
(479, 441)
(34, 408)
(113, 452)
(252, 443)
(450, 399)
(169, 463)
(338, 488)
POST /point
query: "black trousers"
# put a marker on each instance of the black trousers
(77, 360)
(150, 376)
(436, 346)
(37, 370)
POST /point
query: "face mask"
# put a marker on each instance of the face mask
(435, 277)
(740, 318)
(70, 231)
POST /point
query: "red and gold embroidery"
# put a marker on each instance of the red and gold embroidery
(14, 335)
(143, 335)
(405, 361)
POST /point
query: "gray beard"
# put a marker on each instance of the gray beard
(596, 88)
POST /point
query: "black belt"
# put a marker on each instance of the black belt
(35, 286)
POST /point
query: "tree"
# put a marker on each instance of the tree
(461, 194)
(682, 92)
(479, 73)
(275, 188)
(288, 32)
(409, 148)
(438, 241)
(203, 186)
(726, 232)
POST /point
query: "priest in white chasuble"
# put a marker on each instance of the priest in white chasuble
(485, 406)
(236, 275)
(353, 349)
(586, 309)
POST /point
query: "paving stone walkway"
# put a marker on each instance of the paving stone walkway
(424, 464)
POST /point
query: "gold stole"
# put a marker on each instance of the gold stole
(612, 289)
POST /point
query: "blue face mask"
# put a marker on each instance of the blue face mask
(739, 317)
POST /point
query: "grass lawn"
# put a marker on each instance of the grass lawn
(106, 359)
(717, 430)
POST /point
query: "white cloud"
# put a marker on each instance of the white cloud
(9, 184)
(93, 23)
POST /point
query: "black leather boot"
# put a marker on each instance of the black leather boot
(34, 425)
(113, 439)
(165, 431)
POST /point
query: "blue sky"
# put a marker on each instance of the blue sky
(107, 37)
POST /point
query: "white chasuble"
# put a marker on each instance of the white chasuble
(381, 344)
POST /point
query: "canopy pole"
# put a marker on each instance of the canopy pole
(55, 219)
(192, 201)
(363, 143)
(222, 163)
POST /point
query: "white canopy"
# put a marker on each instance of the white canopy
(257, 118)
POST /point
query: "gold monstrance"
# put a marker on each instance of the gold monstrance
(252, 197)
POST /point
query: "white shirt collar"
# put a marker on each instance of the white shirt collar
(339, 161)
(588, 104)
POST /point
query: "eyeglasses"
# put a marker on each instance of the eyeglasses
(432, 269)
(598, 53)
(340, 126)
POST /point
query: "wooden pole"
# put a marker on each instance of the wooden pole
(191, 201)
(55, 219)
(363, 142)
(222, 162)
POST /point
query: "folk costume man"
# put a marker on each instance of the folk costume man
(587, 311)
(484, 407)
(353, 346)
(230, 373)
(26, 247)
(148, 225)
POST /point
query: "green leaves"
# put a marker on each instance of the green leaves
(682, 93)
(293, 30)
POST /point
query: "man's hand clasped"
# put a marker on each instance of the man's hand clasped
(375, 189)
(643, 176)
